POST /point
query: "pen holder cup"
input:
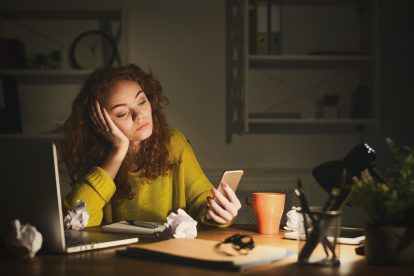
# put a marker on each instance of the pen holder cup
(319, 244)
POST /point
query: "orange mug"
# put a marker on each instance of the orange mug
(268, 208)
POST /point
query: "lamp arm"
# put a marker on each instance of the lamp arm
(375, 172)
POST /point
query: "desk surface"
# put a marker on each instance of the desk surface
(105, 262)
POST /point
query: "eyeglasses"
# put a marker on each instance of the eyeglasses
(240, 242)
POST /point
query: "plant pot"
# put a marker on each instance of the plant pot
(389, 245)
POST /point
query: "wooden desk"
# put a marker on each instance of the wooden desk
(105, 262)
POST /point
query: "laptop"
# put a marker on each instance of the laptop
(30, 192)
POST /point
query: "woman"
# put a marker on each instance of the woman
(124, 161)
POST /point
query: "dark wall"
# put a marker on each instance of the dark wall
(396, 81)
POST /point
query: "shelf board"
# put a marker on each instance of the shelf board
(312, 121)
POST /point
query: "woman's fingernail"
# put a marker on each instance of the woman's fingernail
(214, 191)
(224, 184)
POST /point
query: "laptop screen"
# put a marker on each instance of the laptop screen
(31, 189)
(29, 177)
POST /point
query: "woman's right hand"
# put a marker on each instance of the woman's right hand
(107, 128)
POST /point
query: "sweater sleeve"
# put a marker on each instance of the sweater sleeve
(96, 190)
(197, 185)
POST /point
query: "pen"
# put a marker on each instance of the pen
(303, 202)
(142, 224)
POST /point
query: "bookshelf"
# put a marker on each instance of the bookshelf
(327, 50)
(43, 28)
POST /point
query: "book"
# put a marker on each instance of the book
(205, 253)
(124, 227)
(252, 28)
(262, 28)
(12, 54)
(10, 119)
(274, 19)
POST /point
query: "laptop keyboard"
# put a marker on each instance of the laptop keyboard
(70, 241)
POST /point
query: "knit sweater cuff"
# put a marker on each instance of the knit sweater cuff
(102, 183)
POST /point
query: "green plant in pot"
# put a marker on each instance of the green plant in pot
(390, 207)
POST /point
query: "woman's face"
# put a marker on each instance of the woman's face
(130, 110)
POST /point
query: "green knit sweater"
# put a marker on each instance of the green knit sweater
(185, 187)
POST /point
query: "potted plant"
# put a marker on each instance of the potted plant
(390, 207)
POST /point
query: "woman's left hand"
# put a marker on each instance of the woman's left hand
(224, 207)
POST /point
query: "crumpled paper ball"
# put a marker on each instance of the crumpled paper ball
(24, 240)
(181, 225)
(78, 217)
(294, 220)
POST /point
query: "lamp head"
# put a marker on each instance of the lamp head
(329, 174)
(361, 157)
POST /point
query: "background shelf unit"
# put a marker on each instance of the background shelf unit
(42, 91)
(42, 27)
(250, 74)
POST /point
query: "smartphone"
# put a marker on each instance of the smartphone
(232, 178)
(347, 235)
(350, 235)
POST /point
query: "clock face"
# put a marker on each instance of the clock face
(92, 49)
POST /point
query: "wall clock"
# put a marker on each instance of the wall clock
(92, 49)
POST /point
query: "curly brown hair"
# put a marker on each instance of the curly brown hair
(83, 147)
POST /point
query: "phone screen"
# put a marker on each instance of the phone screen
(232, 178)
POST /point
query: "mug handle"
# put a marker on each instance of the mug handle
(248, 199)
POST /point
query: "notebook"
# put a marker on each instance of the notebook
(30, 186)
(124, 227)
(205, 253)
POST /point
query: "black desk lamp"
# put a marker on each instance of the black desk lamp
(335, 177)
